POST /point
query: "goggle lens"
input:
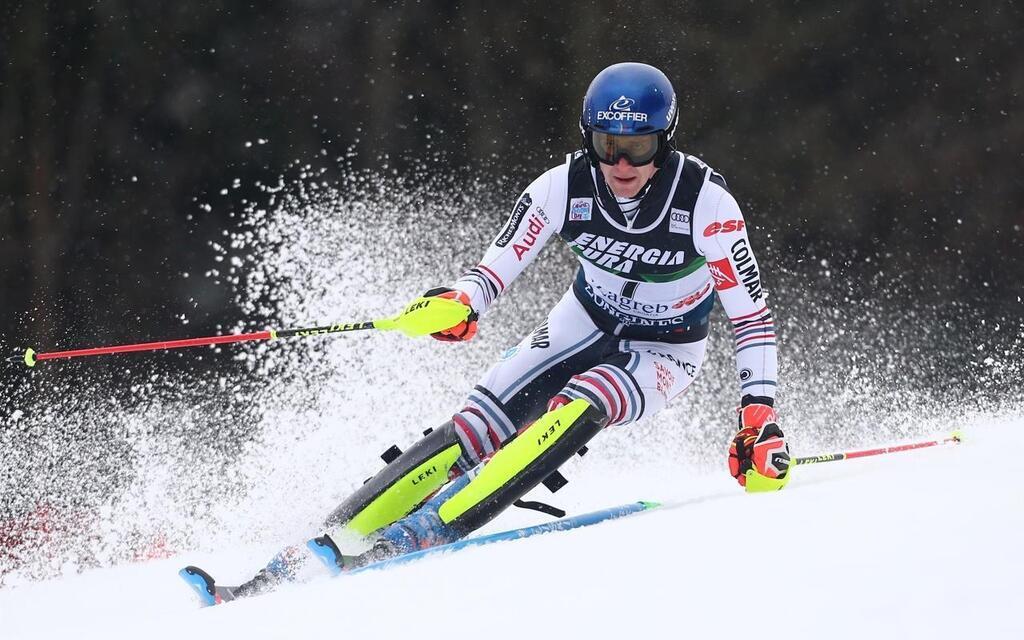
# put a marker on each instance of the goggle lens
(638, 150)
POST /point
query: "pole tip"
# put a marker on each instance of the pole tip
(30, 357)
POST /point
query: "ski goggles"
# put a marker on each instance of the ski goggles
(638, 150)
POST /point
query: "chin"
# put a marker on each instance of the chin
(627, 191)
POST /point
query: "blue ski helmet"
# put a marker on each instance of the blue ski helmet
(629, 111)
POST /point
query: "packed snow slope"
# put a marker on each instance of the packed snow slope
(924, 544)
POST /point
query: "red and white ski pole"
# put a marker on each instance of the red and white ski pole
(954, 438)
(423, 316)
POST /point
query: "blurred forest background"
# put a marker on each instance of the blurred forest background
(867, 131)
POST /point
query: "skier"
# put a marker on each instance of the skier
(658, 235)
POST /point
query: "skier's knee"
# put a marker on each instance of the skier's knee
(606, 387)
(480, 434)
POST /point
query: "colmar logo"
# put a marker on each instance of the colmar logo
(621, 110)
(541, 337)
(723, 227)
(723, 274)
(747, 269)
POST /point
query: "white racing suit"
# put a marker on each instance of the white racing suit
(630, 334)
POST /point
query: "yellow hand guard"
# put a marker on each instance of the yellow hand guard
(757, 483)
(426, 315)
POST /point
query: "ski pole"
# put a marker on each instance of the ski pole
(421, 317)
(955, 437)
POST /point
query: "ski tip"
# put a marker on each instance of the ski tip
(957, 436)
(202, 584)
(326, 552)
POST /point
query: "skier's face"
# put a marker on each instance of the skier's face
(626, 180)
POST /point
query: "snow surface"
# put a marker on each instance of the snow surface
(924, 544)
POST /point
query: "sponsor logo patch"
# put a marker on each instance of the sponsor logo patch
(723, 274)
(627, 304)
(623, 256)
(518, 212)
(688, 367)
(679, 221)
(723, 227)
(540, 338)
(579, 209)
(746, 268)
(621, 109)
(523, 246)
(692, 298)
(622, 104)
(665, 379)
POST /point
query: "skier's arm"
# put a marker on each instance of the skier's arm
(720, 234)
(758, 453)
(538, 214)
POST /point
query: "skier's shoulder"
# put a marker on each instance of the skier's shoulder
(553, 180)
(550, 189)
(558, 177)
(713, 180)
(715, 203)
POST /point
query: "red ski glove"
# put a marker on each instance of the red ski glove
(759, 445)
(464, 330)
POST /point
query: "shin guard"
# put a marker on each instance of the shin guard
(522, 464)
(401, 486)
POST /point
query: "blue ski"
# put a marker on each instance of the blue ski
(210, 593)
(325, 550)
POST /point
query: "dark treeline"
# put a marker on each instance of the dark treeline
(883, 130)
